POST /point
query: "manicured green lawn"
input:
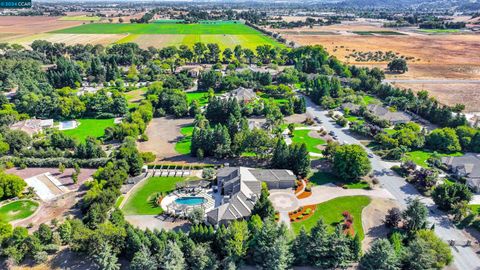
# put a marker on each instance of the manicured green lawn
(370, 100)
(278, 101)
(135, 96)
(301, 136)
(322, 178)
(17, 210)
(89, 127)
(420, 157)
(183, 145)
(140, 202)
(161, 28)
(200, 96)
(352, 118)
(331, 213)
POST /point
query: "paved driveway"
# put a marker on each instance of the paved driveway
(465, 256)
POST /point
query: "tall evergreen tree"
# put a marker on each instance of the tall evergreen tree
(380, 256)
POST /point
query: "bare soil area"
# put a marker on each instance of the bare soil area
(372, 220)
(451, 94)
(58, 208)
(163, 133)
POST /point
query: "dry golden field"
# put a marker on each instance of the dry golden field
(435, 57)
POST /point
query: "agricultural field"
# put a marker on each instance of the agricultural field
(140, 202)
(459, 56)
(17, 210)
(163, 34)
(84, 18)
(331, 213)
(89, 127)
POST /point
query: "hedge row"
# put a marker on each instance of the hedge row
(55, 162)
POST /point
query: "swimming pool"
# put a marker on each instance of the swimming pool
(190, 200)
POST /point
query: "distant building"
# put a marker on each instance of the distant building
(241, 187)
(385, 114)
(32, 126)
(466, 166)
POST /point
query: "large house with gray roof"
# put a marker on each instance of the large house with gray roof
(466, 166)
(385, 114)
(241, 187)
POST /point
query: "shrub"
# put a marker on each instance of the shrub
(40, 257)
(148, 157)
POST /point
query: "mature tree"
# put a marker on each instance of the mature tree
(263, 207)
(398, 65)
(10, 185)
(106, 259)
(351, 162)
(299, 252)
(271, 248)
(143, 260)
(393, 217)
(299, 160)
(318, 246)
(201, 257)
(415, 216)
(443, 140)
(281, 154)
(447, 195)
(172, 258)
(427, 251)
(380, 256)
(235, 241)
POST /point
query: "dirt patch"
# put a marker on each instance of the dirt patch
(372, 220)
(64, 205)
(163, 133)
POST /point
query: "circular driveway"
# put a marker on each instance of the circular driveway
(283, 201)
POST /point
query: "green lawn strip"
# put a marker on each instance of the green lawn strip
(322, 178)
(89, 127)
(135, 96)
(331, 213)
(183, 145)
(140, 202)
(119, 201)
(420, 157)
(439, 31)
(17, 210)
(301, 136)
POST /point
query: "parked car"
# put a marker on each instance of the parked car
(331, 133)
(370, 155)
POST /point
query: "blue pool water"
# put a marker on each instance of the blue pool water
(190, 200)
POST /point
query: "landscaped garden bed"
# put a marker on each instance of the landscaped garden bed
(302, 213)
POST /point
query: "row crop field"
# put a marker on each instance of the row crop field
(226, 35)
(161, 28)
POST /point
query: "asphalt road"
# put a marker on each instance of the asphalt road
(465, 257)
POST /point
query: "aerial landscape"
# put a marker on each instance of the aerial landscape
(333, 134)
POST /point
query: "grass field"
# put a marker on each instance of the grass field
(161, 28)
(140, 202)
(225, 34)
(183, 145)
(420, 157)
(17, 210)
(301, 136)
(331, 213)
(80, 18)
(322, 178)
(89, 127)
